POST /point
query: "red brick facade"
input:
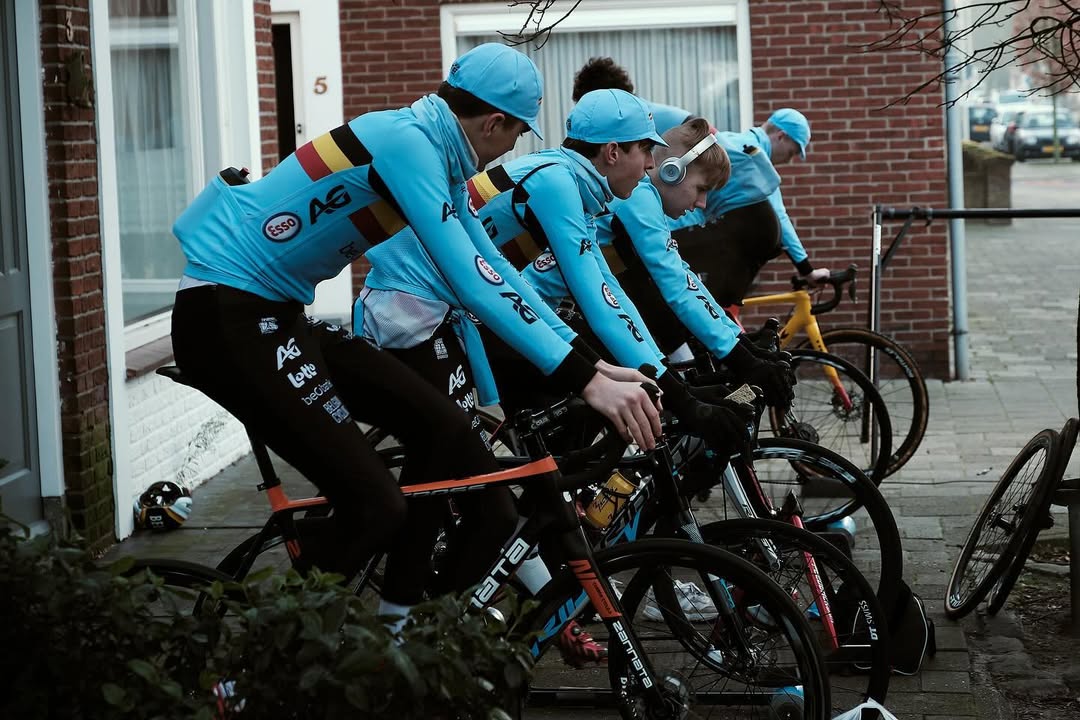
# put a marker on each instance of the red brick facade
(72, 163)
(804, 55)
(264, 54)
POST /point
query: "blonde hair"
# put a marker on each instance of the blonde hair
(714, 162)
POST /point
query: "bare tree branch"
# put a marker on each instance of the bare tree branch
(533, 29)
(1045, 39)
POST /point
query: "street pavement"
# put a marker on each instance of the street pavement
(1023, 283)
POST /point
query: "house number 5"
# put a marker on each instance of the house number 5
(320, 85)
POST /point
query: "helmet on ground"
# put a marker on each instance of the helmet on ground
(164, 506)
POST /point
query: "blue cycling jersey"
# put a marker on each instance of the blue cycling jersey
(345, 193)
(540, 210)
(636, 228)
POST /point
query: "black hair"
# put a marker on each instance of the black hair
(601, 73)
(591, 150)
(466, 105)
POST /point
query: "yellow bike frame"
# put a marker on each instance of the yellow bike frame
(801, 320)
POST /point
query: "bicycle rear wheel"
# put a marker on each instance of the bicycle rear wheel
(831, 592)
(899, 381)
(846, 415)
(1041, 519)
(184, 588)
(1007, 518)
(703, 673)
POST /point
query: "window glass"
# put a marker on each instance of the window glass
(151, 77)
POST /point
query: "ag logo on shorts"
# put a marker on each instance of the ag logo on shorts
(282, 227)
(487, 272)
(544, 262)
(609, 297)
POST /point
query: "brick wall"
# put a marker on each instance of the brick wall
(264, 53)
(178, 434)
(71, 155)
(804, 55)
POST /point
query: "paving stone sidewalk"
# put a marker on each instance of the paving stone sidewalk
(1022, 282)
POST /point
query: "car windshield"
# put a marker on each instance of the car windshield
(981, 114)
(1046, 120)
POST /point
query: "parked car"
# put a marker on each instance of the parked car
(979, 117)
(1031, 134)
(1005, 115)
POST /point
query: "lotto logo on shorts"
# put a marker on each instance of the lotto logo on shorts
(440, 349)
(268, 325)
(306, 372)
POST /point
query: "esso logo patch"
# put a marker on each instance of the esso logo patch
(282, 227)
(609, 297)
(487, 272)
(544, 262)
(691, 283)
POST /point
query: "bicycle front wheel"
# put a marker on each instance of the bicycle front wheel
(836, 406)
(899, 380)
(839, 602)
(763, 664)
(1009, 516)
(1039, 516)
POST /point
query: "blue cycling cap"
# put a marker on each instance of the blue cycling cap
(604, 116)
(794, 125)
(502, 77)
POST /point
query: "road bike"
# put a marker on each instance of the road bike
(1018, 508)
(888, 365)
(758, 653)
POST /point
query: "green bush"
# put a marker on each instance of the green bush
(82, 641)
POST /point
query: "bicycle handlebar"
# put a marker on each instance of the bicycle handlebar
(579, 468)
(836, 280)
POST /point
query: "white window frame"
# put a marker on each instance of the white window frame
(601, 15)
(229, 102)
(223, 116)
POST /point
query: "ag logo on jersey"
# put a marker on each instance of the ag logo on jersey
(672, 244)
(691, 284)
(544, 262)
(487, 272)
(337, 198)
(282, 227)
(609, 297)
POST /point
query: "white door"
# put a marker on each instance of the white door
(307, 70)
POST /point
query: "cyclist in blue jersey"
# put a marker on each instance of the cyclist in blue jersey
(638, 245)
(550, 196)
(255, 253)
(546, 203)
(745, 223)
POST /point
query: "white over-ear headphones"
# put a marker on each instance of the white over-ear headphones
(673, 170)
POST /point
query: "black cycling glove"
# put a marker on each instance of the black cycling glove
(774, 377)
(724, 425)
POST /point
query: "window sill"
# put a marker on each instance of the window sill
(149, 357)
